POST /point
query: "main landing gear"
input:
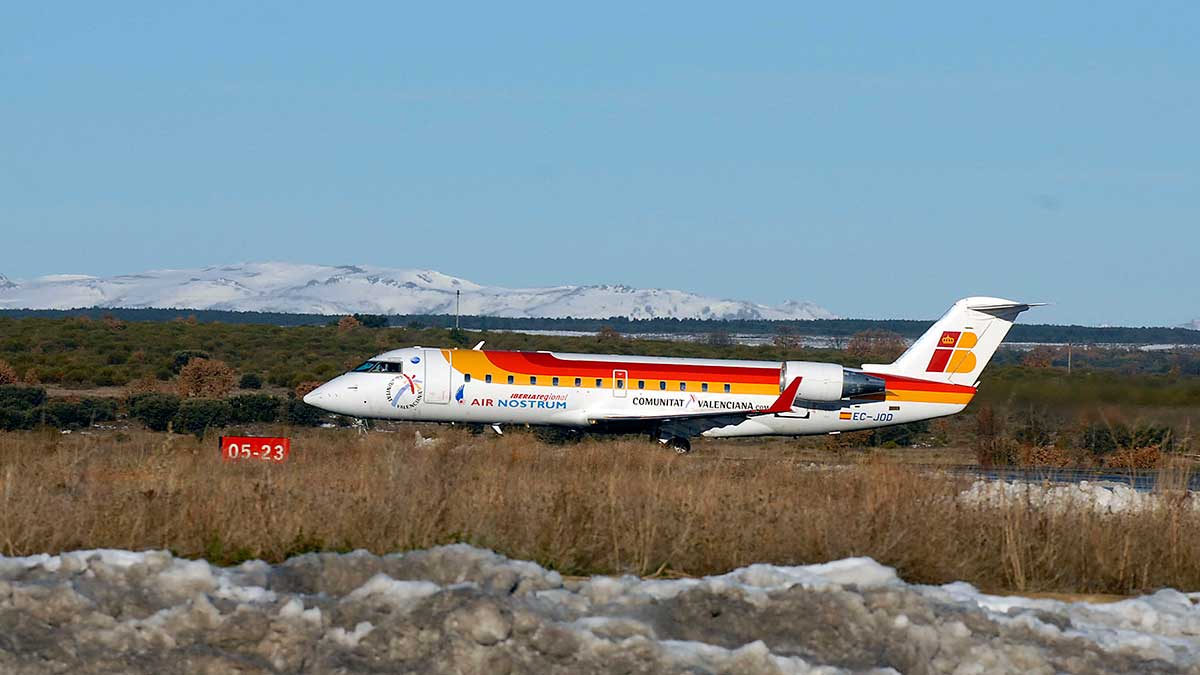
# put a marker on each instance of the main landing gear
(679, 444)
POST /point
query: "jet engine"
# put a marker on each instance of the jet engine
(829, 381)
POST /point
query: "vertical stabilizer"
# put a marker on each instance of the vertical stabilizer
(958, 346)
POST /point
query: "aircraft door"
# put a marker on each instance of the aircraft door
(437, 376)
(620, 383)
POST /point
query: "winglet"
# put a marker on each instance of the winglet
(786, 399)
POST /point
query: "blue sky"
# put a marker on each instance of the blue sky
(878, 159)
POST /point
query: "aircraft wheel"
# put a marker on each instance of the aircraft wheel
(680, 445)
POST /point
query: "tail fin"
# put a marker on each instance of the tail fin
(959, 345)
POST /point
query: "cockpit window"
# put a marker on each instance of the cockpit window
(378, 367)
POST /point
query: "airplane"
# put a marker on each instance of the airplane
(676, 399)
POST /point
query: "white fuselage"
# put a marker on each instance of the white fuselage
(600, 392)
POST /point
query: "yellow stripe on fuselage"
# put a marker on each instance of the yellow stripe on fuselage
(920, 396)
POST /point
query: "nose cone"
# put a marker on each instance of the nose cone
(322, 396)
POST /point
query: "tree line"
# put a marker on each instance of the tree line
(827, 328)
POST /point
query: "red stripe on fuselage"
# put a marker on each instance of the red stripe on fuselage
(538, 363)
(900, 382)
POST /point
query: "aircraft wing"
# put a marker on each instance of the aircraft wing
(693, 424)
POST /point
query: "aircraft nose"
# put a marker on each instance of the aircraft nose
(321, 395)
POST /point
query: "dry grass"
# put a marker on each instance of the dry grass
(615, 506)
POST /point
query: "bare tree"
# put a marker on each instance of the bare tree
(719, 338)
(1039, 357)
(8, 374)
(877, 344)
(206, 378)
(786, 337)
(608, 334)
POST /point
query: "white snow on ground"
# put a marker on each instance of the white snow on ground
(463, 609)
(346, 289)
(1103, 497)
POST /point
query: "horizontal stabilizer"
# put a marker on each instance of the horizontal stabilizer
(1017, 307)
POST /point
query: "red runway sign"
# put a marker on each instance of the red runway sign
(260, 448)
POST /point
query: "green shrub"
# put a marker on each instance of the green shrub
(302, 414)
(107, 377)
(1102, 438)
(372, 320)
(247, 408)
(12, 419)
(65, 413)
(196, 415)
(154, 410)
(250, 381)
(78, 376)
(903, 435)
(1034, 426)
(23, 398)
(180, 358)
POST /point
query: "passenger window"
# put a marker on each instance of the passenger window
(467, 377)
(533, 379)
(554, 381)
(726, 389)
(511, 379)
(662, 385)
(703, 386)
(579, 382)
(683, 386)
(599, 382)
(641, 384)
(620, 384)
(487, 378)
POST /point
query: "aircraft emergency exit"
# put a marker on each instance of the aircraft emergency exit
(675, 399)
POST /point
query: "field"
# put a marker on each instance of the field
(600, 506)
(592, 507)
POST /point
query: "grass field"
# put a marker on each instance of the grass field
(595, 507)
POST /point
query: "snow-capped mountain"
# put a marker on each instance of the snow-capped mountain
(324, 289)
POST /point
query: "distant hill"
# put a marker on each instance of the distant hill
(328, 290)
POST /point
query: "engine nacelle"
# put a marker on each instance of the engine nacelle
(829, 381)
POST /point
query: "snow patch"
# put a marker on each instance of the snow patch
(351, 638)
(399, 594)
(1102, 497)
(453, 608)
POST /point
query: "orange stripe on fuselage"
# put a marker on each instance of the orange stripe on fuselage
(523, 365)
(541, 363)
